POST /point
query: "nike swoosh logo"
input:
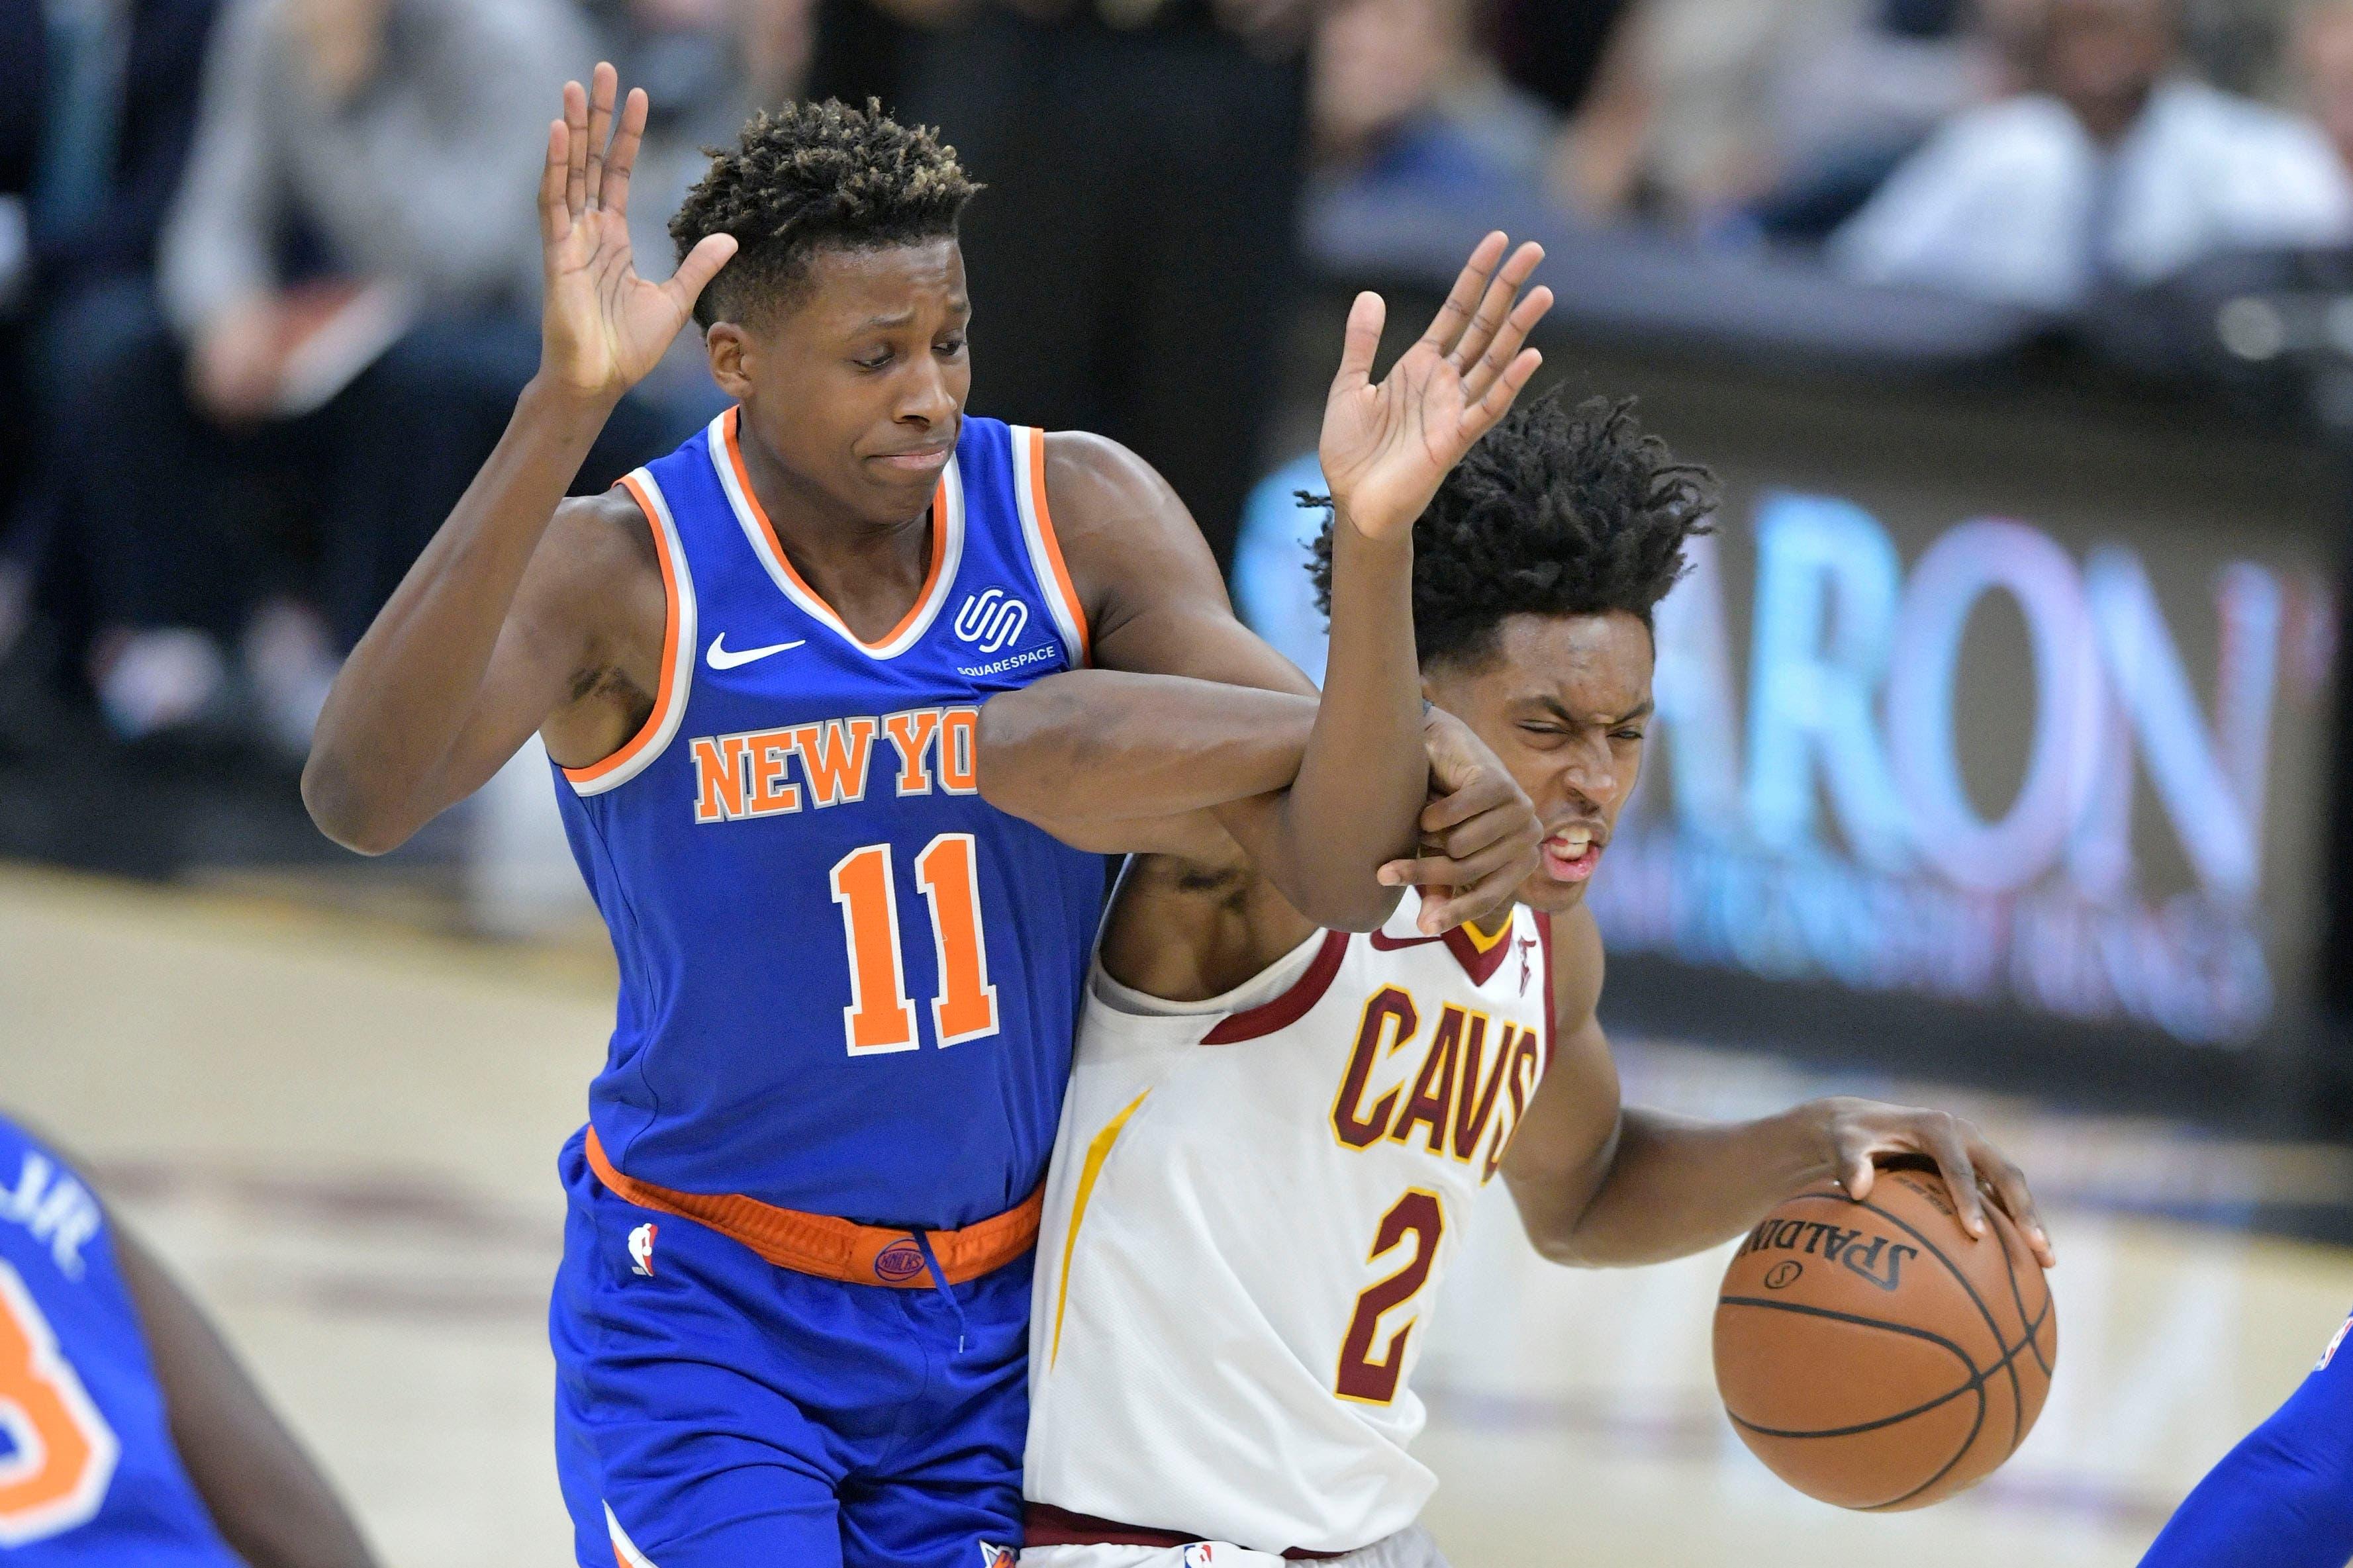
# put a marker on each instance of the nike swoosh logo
(720, 658)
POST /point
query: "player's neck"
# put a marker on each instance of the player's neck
(870, 572)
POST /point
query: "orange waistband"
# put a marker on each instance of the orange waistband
(834, 1249)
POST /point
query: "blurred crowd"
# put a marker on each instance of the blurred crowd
(267, 267)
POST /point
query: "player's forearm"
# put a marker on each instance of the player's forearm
(264, 1492)
(403, 696)
(1365, 775)
(2283, 1497)
(1102, 746)
(1672, 1186)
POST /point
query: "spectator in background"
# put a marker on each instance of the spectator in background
(2117, 168)
(98, 99)
(1400, 101)
(1672, 120)
(1131, 257)
(348, 276)
(1847, 113)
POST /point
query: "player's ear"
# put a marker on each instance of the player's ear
(731, 354)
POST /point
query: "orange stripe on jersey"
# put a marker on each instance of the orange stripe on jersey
(664, 691)
(735, 418)
(1078, 612)
(1097, 1153)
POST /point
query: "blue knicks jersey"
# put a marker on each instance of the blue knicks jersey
(88, 1472)
(849, 984)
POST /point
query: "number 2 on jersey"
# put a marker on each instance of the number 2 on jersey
(1421, 1216)
(63, 1452)
(880, 1018)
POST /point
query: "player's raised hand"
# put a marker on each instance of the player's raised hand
(1387, 445)
(603, 327)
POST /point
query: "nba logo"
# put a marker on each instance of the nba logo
(2330, 1353)
(641, 1250)
(1200, 1555)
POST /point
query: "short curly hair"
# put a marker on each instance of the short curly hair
(1556, 512)
(814, 174)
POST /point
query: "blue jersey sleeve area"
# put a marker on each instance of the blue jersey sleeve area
(2283, 1497)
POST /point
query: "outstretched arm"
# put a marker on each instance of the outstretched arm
(487, 635)
(1602, 1184)
(2283, 1497)
(1357, 780)
(265, 1494)
(1121, 763)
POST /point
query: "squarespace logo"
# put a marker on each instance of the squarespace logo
(1833, 837)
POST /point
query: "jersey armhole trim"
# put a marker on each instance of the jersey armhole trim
(678, 650)
(1544, 943)
(1292, 1004)
(1046, 561)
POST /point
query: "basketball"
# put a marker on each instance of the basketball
(1875, 1355)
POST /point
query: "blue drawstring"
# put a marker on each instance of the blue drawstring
(940, 1283)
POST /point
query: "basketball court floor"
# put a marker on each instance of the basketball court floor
(343, 1132)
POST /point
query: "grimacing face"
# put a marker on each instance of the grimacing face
(853, 396)
(1563, 701)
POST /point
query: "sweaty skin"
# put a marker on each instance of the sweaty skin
(1563, 703)
(532, 613)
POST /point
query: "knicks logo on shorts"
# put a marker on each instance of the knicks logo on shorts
(995, 1556)
(899, 1262)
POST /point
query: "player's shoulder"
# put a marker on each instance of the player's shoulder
(1578, 965)
(598, 558)
(1093, 481)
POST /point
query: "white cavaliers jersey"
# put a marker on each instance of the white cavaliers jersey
(1252, 1203)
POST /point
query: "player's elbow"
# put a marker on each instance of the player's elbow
(342, 809)
(1009, 757)
(1558, 1224)
(1344, 903)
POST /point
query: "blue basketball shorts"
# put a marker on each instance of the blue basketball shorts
(715, 1411)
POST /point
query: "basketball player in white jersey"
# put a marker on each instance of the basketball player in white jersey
(1275, 1134)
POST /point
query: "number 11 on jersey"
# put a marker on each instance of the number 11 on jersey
(880, 1018)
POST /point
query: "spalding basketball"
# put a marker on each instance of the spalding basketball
(1874, 1354)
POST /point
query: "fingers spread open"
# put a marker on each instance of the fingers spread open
(621, 158)
(1482, 377)
(554, 218)
(1366, 319)
(604, 86)
(702, 265)
(575, 161)
(1447, 327)
(1495, 306)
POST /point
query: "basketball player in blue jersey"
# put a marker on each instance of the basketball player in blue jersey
(2283, 1497)
(791, 1322)
(129, 1437)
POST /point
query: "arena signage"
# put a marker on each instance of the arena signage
(2060, 805)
